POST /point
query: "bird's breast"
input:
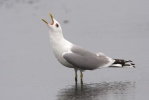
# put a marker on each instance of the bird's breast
(59, 48)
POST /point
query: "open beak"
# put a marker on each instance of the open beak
(52, 18)
(44, 21)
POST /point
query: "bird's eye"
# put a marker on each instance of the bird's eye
(57, 25)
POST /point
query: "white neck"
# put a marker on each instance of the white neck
(55, 36)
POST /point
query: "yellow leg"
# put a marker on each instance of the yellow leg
(76, 85)
(76, 74)
(81, 75)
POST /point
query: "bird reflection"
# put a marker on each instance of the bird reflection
(76, 85)
(98, 91)
(81, 85)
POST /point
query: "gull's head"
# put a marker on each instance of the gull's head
(54, 26)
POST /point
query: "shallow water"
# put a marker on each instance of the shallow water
(29, 70)
(97, 91)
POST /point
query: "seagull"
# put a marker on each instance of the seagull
(76, 57)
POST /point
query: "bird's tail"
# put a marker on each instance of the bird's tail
(122, 63)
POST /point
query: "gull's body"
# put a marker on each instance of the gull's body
(76, 57)
(59, 46)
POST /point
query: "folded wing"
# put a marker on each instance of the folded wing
(86, 60)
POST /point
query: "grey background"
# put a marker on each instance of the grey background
(29, 70)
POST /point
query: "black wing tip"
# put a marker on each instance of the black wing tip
(124, 62)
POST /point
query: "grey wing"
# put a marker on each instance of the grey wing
(84, 59)
(81, 62)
